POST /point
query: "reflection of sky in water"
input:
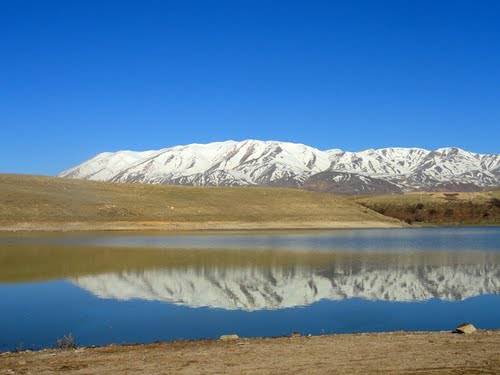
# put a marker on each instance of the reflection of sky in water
(35, 315)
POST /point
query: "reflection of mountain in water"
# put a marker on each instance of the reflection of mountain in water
(255, 288)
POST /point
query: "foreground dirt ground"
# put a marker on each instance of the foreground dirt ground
(361, 353)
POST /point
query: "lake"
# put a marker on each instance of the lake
(142, 287)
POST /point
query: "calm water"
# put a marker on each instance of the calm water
(127, 288)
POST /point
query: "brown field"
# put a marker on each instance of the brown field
(480, 208)
(385, 353)
(35, 203)
(50, 203)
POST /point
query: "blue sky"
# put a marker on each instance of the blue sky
(82, 77)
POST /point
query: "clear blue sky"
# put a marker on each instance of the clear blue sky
(82, 77)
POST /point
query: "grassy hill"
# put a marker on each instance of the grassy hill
(438, 208)
(51, 203)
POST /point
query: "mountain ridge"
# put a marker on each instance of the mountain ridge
(275, 163)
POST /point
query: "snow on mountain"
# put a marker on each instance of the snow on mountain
(104, 166)
(254, 288)
(379, 163)
(220, 163)
(253, 162)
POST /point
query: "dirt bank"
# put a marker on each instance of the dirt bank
(399, 352)
(192, 226)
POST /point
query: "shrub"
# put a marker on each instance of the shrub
(66, 342)
(449, 212)
(450, 196)
(495, 202)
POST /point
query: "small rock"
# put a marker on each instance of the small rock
(229, 337)
(465, 328)
(295, 334)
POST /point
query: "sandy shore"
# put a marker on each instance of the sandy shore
(191, 226)
(400, 352)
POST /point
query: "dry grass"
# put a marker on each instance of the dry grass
(31, 201)
(438, 208)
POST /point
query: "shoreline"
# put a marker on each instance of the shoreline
(200, 227)
(388, 352)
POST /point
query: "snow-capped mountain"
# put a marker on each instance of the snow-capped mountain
(256, 288)
(253, 162)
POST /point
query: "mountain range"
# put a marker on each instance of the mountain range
(273, 163)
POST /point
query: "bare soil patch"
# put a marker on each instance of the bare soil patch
(400, 352)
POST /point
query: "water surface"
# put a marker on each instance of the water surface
(128, 287)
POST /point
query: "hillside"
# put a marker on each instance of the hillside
(438, 208)
(51, 203)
